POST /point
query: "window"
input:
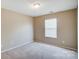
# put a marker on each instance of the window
(51, 28)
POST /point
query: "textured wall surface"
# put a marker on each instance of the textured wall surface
(16, 29)
(66, 29)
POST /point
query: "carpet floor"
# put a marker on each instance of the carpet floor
(39, 51)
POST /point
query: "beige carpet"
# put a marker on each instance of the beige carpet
(39, 51)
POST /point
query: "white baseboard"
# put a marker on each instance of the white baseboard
(15, 47)
(29, 43)
(71, 48)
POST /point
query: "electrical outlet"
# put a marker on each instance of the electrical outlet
(1, 46)
(63, 42)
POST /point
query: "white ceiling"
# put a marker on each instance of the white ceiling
(25, 6)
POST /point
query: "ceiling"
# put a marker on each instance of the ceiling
(46, 6)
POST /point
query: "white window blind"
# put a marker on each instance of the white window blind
(51, 28)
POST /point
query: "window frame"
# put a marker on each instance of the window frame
(56, 27)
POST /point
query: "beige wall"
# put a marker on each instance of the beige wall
(66, 29)
(16, 29)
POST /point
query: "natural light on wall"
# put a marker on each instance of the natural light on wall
(51, 28)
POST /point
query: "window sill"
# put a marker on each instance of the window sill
(51, 37)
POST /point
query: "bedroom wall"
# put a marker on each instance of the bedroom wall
(16, 29)
(66, 29)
